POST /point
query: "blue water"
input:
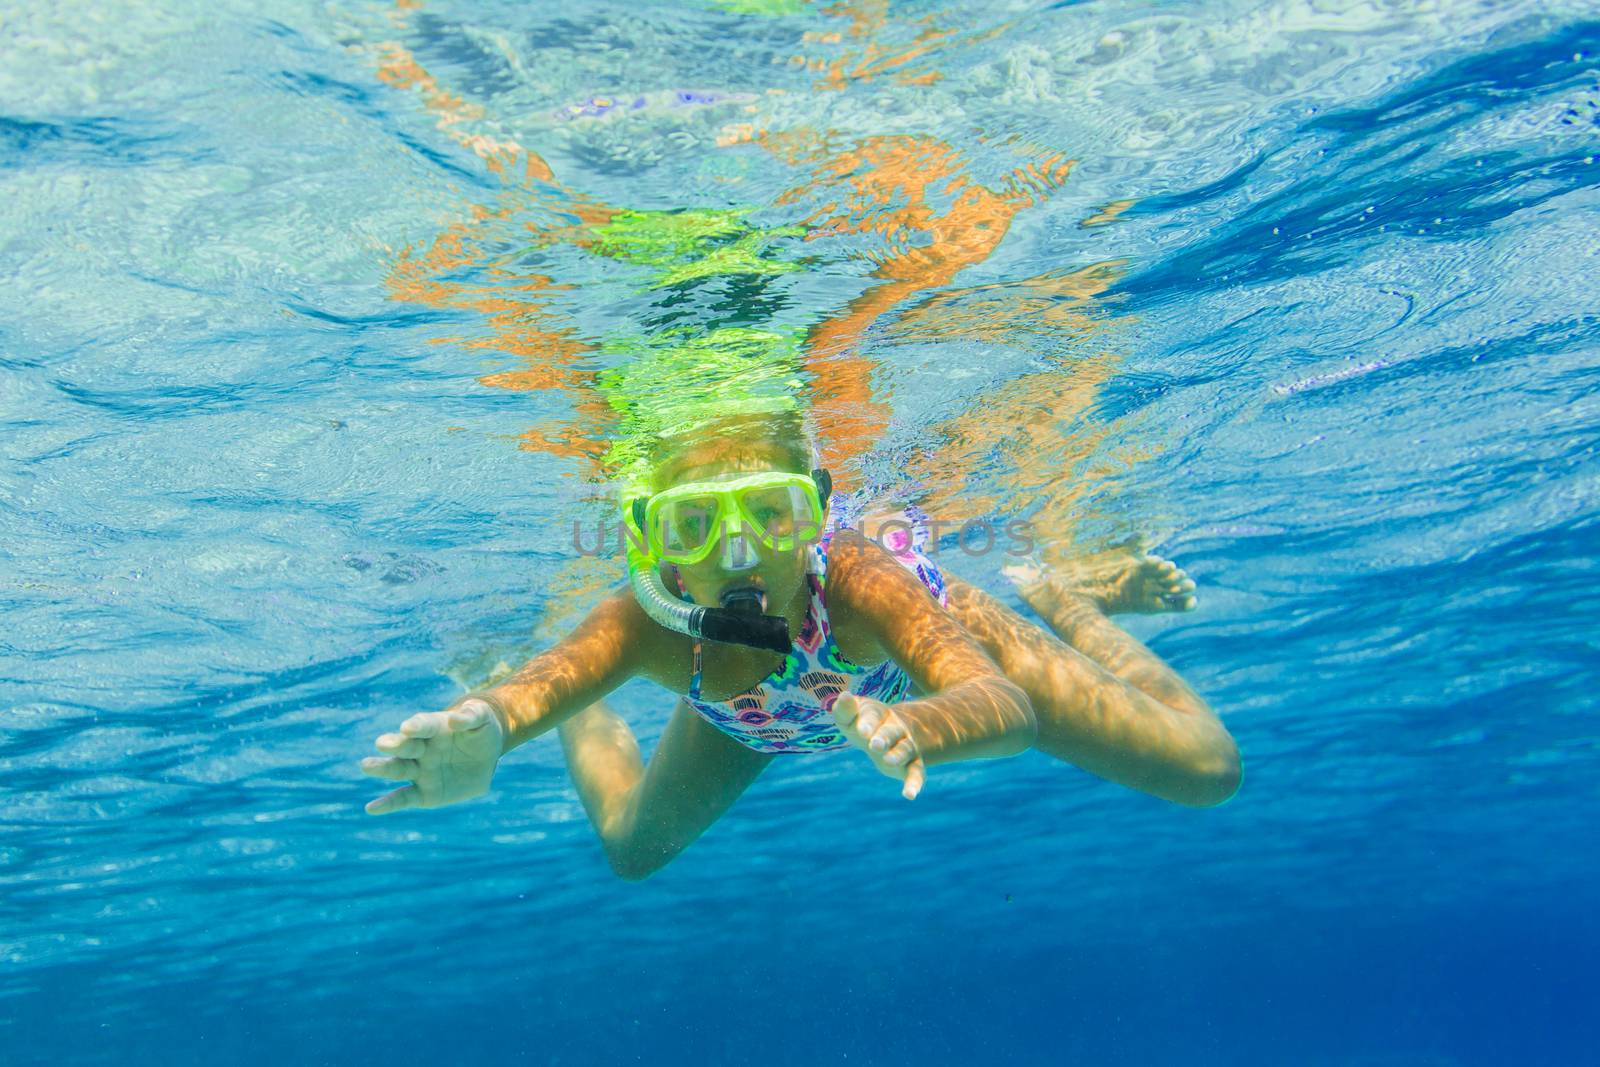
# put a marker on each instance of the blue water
(1331, 336)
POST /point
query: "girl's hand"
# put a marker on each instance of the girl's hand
(881, 732)
(448, 756)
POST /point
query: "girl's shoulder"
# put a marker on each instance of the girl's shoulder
(653, 651)
(846, 554)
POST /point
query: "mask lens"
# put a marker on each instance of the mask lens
(779, 512)
(686, 524)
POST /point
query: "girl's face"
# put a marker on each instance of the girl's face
(779, 574)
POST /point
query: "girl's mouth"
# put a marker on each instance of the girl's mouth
(744, 597)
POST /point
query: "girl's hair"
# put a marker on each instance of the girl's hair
(782, 436)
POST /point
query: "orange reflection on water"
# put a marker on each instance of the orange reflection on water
(516, 311)
(890, 187)
(1048, 307)
(907, 203)
(1030, 445)
(925, 218)
(399, 68)
(1108, 213)
(887, 186)
(520, 318)
(872, 48)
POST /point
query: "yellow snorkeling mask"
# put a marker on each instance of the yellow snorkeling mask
(685, 523)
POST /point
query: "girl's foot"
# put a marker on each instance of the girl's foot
(1124, 579)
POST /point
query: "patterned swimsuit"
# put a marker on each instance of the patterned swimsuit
(788, 711)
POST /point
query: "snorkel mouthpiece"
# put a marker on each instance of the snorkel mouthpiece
(745, 600)
(738, 622)
(741, 621)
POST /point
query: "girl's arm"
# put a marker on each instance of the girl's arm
(610, 646)
(972, 709)
(450, 756)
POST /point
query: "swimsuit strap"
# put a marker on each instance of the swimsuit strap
(816, 575)
(694, 677)
(819, 562)
(817, 579)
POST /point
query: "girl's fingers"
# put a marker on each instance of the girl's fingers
(867, 722)
(401, 745)
(888, 735)
(423, 724)
(845, 709)
(399, 770)
(915, 776)
(405, 797)
(473, 716)
(904, 751)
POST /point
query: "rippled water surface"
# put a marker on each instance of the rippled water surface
(304, 340)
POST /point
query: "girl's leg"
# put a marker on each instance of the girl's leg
(647, 815)
(1103, 700)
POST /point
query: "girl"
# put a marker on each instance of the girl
(726, 563)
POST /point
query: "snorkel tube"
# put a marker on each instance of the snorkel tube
(748, 627)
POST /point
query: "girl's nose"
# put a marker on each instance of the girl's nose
(738, 554)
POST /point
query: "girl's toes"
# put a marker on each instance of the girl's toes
(1180, 595)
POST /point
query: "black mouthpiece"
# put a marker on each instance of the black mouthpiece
(745, 600)
(748, 628)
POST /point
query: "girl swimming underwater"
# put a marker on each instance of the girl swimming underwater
(733, 551)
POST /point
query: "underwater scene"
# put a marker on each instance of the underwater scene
(786, 532)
